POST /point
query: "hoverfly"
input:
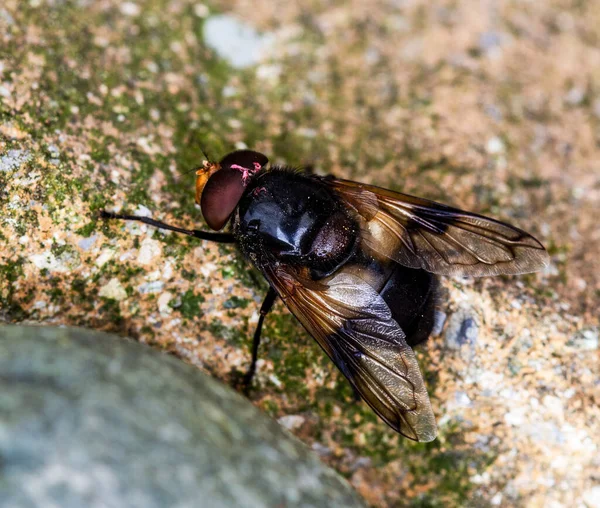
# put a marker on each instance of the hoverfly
(357, 265)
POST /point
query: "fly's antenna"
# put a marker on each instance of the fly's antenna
(205, 155)
(193, 169)
(196, 168)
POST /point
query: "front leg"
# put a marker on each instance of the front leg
(203, 235)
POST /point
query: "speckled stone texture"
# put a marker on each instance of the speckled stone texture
(491, 106)
(95, 420)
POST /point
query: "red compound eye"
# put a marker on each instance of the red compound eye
(225, 188)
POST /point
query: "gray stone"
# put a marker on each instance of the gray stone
(439, 318)
(13, 159)
(491, 41)
(586, 340)
(235, 41)
(462, 330)
(90, 419)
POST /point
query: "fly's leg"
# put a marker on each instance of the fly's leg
(264, 310)
(267, 304)
(202, 235)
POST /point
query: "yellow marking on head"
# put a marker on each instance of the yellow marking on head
(203, 174)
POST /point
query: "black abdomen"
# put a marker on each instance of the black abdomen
(411, 295)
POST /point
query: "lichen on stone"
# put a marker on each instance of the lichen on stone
(105, 105)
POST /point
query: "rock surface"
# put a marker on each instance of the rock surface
(92, 419)
(489, 106)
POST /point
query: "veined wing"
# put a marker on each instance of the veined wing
(354, 326)
(419, 233)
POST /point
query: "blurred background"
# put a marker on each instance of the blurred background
(491, 106)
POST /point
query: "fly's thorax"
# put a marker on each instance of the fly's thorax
(294, 219)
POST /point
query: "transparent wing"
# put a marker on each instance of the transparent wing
(354, 326)
(419, 233)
